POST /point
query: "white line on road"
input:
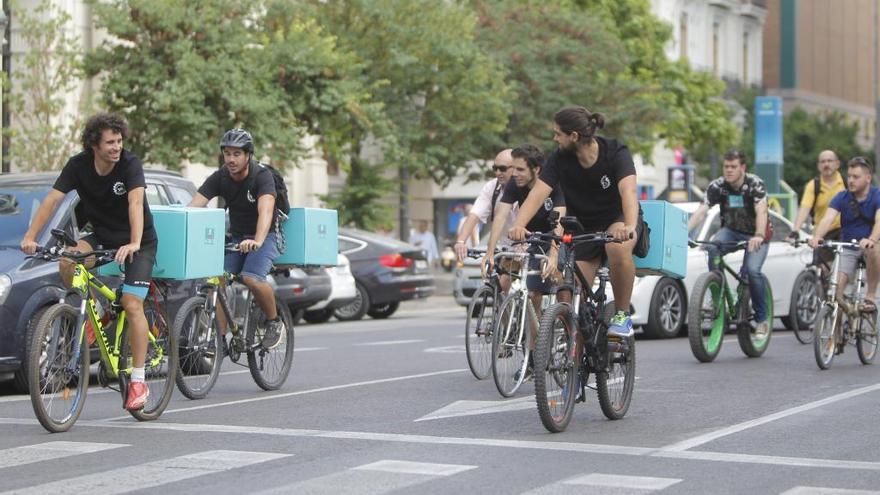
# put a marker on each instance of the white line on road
(308, 349)
(390, 342)
(155, 473)
(19, 456)
(723, 432)
(619, 481)
(303, 392)
(407, 467)
(815, 490)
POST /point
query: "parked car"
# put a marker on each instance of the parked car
(386, 272)
(301, 287)
(659, 304)
(343, 293)
(29, 286)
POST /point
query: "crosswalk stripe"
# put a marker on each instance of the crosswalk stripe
(390, 342)
(816, 490)
(152, 474)
(620, 481)
(391, 466)
(19, 456)
(375, 478)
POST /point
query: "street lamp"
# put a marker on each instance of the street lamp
(4, 53)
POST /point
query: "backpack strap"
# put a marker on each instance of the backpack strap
(817, 184)
(497, 192)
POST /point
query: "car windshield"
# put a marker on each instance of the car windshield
(18, 205)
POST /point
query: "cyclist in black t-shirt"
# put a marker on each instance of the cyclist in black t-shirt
(598, 180)
(249, 192)
(110, 183)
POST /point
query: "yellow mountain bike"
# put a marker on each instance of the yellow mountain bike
(58, 351)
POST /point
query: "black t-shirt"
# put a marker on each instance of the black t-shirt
(104, 200)
(591, 194)
(541, 221)
(241, 197)
(737, 205)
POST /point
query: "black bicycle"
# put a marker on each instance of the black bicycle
(573, 341)
(481, 316)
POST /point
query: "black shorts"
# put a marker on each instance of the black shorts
(591, 250)
(138, 271)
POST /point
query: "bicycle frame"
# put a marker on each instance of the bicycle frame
(218, 294)
(520, 277)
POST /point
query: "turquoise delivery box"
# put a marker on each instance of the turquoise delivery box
(311, 236)
(669, 240)
(190, 243)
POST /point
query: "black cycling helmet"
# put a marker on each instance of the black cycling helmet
(237, 138)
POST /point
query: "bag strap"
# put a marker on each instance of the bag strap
(495, 194)
(853, 204)
(817, 185)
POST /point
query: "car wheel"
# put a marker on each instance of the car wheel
(356, 309)
(318, 315)
(382, 311)
(19, 380)
(668, 310)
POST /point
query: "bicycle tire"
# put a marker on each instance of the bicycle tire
(200, 353)
(706, 342)
(478, 332)
(48, 382)
(751, 345)
(160, 366)
(510, 350)
(803, 306)
(825, 335)
(557, 363)
(615, 385)
(263, 362)
(866, 343)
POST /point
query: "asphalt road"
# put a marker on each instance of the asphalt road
(379, 407)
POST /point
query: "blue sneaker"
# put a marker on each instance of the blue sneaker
(621, 326)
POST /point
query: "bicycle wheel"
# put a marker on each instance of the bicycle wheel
(804, 306)
(707, 317)
(160, 366)
(199, 347)
(58, 369)
(615, 385)
(751, 344)
(478, 332)
(825, 335)
(269, 368)
(556, 368)
(867, 338)
(510, 350)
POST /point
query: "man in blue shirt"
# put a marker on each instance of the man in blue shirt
(859, 210)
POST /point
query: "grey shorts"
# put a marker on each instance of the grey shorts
(849, 259)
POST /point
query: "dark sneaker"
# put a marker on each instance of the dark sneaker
(274, 333)
(621, 326)
(137, 396)
(528, 375)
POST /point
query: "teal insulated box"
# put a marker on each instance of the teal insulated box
(669, 240)
(190, 243)
(311, 236)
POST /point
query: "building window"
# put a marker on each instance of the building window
(716, 28)
(682, 34)
(745, 70)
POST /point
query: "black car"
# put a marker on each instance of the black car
(28, 286)
(386, 271)
(301, 287)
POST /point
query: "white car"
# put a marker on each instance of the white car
(344, 291)
(659, 304)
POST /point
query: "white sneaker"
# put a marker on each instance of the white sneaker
(762, 330)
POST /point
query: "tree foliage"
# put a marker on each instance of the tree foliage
(45, 135)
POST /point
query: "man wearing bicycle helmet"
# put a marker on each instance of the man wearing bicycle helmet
(249, 193)
(744, 217)
(858, 208)
(110, 183)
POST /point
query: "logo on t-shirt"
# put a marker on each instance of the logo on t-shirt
(119, 189)
(606, 182)
(250, 197)
(548, 204)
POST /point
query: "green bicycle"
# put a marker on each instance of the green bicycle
(713, 306)
(58, 359)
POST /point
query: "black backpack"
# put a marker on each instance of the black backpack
(282, 203)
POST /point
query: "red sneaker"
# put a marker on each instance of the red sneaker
(137, 396)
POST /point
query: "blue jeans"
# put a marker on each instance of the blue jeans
(752, 263)
(255, 264)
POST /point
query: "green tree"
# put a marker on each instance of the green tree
(45, 136)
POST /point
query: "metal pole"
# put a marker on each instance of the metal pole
(4, 112)
(876, 67)
(403, 203)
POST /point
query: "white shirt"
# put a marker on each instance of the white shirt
(426, 241)
(483, 207)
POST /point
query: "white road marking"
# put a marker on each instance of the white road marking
(723, 432)
(447, 349)
(18, 456)
(473, 407)
(301, 392)
(619, 481)
(153, 474)
(390, 342)
(407, 467)
(308, 349)
(771, 460)
(815, 490)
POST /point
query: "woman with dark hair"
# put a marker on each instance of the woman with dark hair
(598, 180)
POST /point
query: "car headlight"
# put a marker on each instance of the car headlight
(5, 287)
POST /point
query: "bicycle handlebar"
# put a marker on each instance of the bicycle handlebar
(55, 252)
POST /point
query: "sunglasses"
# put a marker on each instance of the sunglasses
(500, 168)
